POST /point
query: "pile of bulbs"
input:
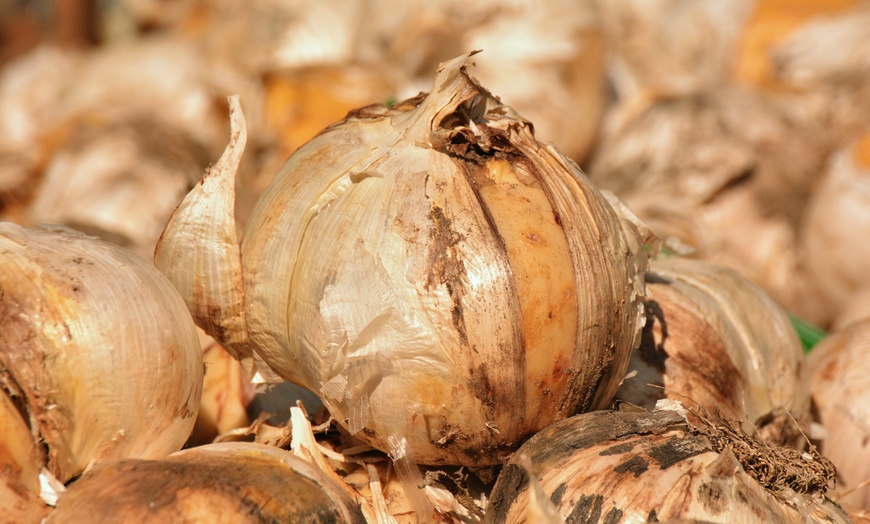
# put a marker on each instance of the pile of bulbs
(481, 331)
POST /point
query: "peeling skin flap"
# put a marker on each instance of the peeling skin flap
(410, 477)
(50, 488)
(363, 313)
(366, 334)
(357, 380)
(668, 404)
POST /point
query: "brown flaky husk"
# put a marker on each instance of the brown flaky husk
(388, 491)
(840, 380)
(232, 403)
(639, 466)
(718, 343)
(231, 482)
(474, 286)
(726, 171)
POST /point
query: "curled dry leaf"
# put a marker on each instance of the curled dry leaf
(231, 482)
(210, 250)
(388, 492)
(430, 269)
(235, 406)
(840, 382)
(97, 349)
(718, 343)
(612, 466)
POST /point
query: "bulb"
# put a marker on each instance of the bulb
(431, 270)
(97, 347)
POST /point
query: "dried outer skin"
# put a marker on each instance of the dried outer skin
(625, 467)
(716, 342)
(98, 348)
(772, 22)
(833, 246)
(683, 354)
(839, 381)
(20, 460)
(827, 49)
(662, 47)
(545, 59)
(436, 273)
(19, 505)
(119, 180)
(714, 169)
(20, 463)
(222, 483)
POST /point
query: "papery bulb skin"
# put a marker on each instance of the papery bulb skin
(839, 382)
(239, 482)
(710, 170)
(717, 342)
(832, 240)
(20, 462)
(655, 466)
(437, 274)
(97, 348)
(118, 181)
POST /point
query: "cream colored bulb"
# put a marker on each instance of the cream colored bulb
(98, 348)
(431, 270)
